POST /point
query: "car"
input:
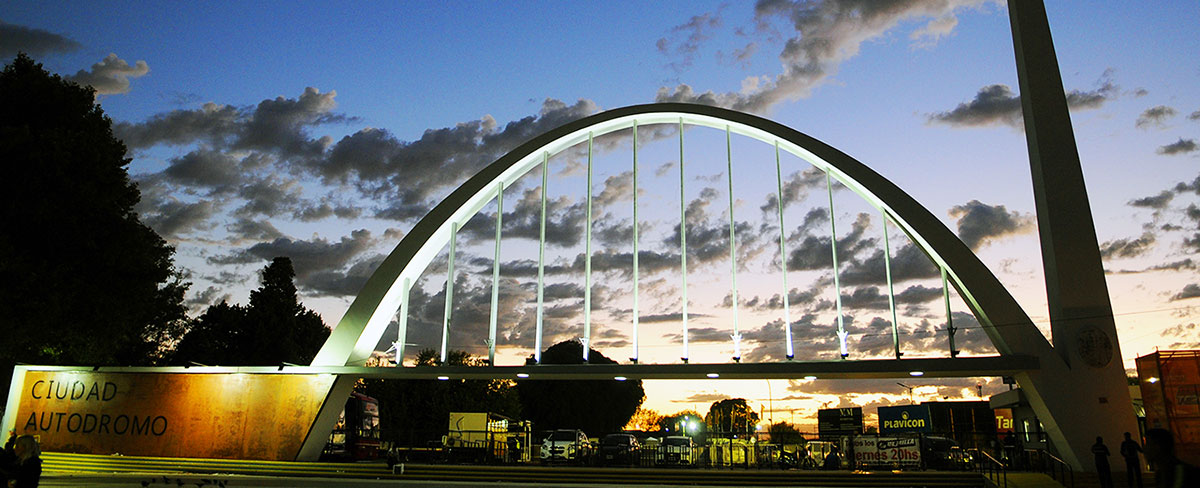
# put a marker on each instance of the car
(944, 453)
(566, 445)
(677, 449)
(619, 449)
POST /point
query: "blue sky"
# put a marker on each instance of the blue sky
(239, 159)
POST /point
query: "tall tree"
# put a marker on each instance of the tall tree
(596, 406)
(731, 416)
(275, 328)
(413, 412)
(83, 281)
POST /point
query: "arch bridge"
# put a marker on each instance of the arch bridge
(1052, 386)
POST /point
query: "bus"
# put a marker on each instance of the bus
(356, 434)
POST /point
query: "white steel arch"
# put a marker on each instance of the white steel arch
(385, 292)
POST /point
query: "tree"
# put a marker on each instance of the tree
(275, 328)
(785, 433)
(83, 281)
(687, 422)
(644, 419)
(595, 406)
(731, 416)
(413, 412)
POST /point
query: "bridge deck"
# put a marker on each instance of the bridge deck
(1006, 365)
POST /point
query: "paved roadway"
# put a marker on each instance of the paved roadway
(149, 480)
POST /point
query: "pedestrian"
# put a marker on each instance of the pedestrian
(833, 461)
(1133, 468)
(1103, 471)
(25, 468)
(1169, 471)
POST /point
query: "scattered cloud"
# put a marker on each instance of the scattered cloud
(1127, 248)
(825, 34)
(683, 41)
(1157, 202)
(111, 75)
(980, 223)
(36, 42)
(1154, 117)
(1182, 146)
(929, 35)
(1192, 290)
(999, 105)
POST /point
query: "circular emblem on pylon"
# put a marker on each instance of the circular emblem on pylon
(1095, 347)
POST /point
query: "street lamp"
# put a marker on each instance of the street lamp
(910, 389)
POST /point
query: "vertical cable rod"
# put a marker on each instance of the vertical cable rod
(537, 347)
(635, 243)
(683, 243)
(449, 292)
(787, 317)
(887, 264)
(837, 286)
(402, 323)
(736, 336)
(587, 260)
(949, 318)
(491, 341)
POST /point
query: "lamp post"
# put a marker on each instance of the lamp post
(910, 389)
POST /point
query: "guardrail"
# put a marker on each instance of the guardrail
(990, 467)
(1058, 469)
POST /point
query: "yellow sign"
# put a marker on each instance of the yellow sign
(232, 415)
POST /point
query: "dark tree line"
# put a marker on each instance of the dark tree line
(273, 329)
(82, 280)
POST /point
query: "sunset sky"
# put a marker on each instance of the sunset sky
(323, 132)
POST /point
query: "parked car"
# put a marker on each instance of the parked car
(566, 445)
(619, 449)
(944, 453)
(677, 449)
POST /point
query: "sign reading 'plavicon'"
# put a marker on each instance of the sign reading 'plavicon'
(907, 418)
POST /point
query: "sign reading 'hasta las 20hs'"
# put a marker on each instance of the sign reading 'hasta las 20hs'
(237, 416)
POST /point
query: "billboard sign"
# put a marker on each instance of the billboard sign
(206, 415)
(839, 421)
(907, 418)
(887, 451)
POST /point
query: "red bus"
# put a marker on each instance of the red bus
(356, 435)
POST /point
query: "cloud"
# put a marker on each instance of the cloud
(111, 75)
(173, 218)
(994, 104)
(826, 33)
(908, 263)
(1154, 116)
(1192, 290)
(1157, 202)
(244, 229)
(1182, 146)
(209, 296)
(998, 105)
(337, 283)
(1194, 115)
(36, 42)
(214, 170)
(210, 123)
(1127, 248)
(980, 223)
(929, 35)
(308, 257)
(684, 40)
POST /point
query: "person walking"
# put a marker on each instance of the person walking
(1133, 468)
(1103, 471)
(25, 468)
